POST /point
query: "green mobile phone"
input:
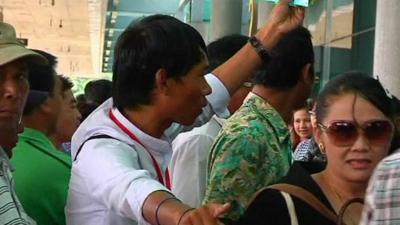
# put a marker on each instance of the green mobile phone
(303, 3)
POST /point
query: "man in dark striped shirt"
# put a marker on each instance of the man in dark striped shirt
(14, 88)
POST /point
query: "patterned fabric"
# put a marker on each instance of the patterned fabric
(382, 202)
(11, 211)
(308, 151)
(252, 150)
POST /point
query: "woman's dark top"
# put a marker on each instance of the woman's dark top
(269, 207)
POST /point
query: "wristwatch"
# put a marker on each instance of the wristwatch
(261, 51)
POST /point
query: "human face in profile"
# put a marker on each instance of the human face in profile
(69, 119)
(188, 94)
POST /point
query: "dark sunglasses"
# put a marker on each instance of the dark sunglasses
(345, 133)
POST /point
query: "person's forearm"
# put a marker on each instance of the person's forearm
(162, 208)
(246, 62)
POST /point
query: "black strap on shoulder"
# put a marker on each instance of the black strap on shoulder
(91, 138)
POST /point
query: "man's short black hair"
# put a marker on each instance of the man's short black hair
(220, 50)
(41, 80)
(97, 91)
(85, 107)
(66, 83)
(152, 43)
(288, 58)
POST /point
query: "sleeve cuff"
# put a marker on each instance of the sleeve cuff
(219, 98)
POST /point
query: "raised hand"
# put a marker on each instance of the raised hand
(285, 17)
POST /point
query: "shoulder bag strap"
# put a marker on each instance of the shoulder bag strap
(307, 197)
(91, 138)
(291, 208)
(345, 206)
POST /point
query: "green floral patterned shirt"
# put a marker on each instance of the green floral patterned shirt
(252, 150)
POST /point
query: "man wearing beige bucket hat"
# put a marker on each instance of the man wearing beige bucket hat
(14, 88)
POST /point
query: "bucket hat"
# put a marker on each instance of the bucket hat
(12, 49)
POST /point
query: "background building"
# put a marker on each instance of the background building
(82, 33)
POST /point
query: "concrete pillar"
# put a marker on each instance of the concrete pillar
(196, 20)
(387, 45)
(1, 14)
(226, 18)
(264, 9)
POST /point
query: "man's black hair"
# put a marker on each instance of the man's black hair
(41, 80)
(66, 83)
(288, 58)
(220, 50)
(97, 91)
(152, 43)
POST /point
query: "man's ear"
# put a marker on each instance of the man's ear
(46, 106)
(161, 81)
(307, 73)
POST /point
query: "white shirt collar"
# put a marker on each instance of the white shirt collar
(154, 145)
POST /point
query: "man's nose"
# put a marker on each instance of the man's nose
(10, 89)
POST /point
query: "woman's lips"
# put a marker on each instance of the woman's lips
(8, 113)
(359, 163)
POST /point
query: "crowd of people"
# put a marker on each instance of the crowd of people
(188, 133)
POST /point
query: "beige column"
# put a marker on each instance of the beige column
(196, 20)
(387, 45)
(226, 18)
(1, 14)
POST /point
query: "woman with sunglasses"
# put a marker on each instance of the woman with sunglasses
(355, 130)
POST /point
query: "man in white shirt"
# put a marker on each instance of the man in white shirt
(188, 165)
(121, 151)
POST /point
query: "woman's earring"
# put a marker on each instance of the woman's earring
(321, 147)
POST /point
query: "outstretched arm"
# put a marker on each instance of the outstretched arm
(162, 208)
(232, 73)
(240, 68)
(245, 63)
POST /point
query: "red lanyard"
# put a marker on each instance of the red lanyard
(155, 164)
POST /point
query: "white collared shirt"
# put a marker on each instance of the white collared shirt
(110, 179)
(188, 166)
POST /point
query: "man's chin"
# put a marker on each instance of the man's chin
(8, 144)
(8, 125)
(188, 121)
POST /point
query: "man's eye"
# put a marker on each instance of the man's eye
(22, 76)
